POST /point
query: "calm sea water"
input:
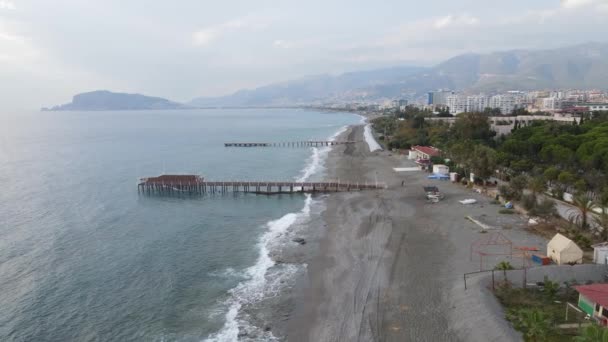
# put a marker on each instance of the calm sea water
(83, 257)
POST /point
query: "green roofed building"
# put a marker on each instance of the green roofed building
(593, 299)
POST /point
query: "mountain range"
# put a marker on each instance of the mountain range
(579, 66)
(582, 66)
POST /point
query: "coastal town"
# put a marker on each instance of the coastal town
(443, 102)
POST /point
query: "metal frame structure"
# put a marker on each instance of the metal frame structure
(490, 240)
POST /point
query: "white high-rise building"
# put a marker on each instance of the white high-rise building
(506, 103)
(477, 103)
(439, 97)
(456, 103)
(550, 103)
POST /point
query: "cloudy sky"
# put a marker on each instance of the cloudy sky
(52, 49)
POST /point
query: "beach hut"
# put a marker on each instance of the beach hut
(564, 251)
(425, 152)
(600, 253)
(441, 169)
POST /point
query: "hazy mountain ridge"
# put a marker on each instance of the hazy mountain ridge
(312, 88)
(579, 66)
(106, 100)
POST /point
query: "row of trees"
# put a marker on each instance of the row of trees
(571, 158)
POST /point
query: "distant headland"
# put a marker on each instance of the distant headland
(106, 100)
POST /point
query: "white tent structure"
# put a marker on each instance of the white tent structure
(564, 251)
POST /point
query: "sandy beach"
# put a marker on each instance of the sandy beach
(388, 266)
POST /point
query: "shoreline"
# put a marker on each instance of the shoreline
(387, 265)
(288, 251)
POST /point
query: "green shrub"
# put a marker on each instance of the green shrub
(528, 202)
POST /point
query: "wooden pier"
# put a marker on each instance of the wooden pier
(289, 144)
(195, 185)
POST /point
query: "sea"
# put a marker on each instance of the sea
(84, 257)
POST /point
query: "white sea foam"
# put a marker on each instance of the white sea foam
(363, 118)
(259, 284)
(317, 159)
(369, 139)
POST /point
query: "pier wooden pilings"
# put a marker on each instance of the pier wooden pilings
(308, 143)
(197, 186)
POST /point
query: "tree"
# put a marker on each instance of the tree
(551, 174)
(517, 186)
(584, 206)
(550, 289)
(534, 323)
(472, 126)
(537, 185)
(483, 162)
(504, 266)
(566, 178)
(544, 209)
(492, 111)
(460, 152)
(580, 185)
(592, 333)
(444, 113)
(519, 111)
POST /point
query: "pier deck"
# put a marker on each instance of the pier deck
(289, 144)
(204, 187)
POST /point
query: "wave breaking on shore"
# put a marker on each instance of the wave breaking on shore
(266, 278)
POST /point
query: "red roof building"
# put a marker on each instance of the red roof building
(593, 299)
(426, 152)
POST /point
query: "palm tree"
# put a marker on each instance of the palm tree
(534, 323)
(592, 333)
(550, 289)
(504, 266)
(584, 205)
(537, 185)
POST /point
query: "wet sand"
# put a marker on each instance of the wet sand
(388, 266)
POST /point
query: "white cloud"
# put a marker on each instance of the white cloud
(455, 20)
(7, 4)
(208, 35)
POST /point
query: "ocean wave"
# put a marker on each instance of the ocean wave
(258, 285)
(317, 159)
